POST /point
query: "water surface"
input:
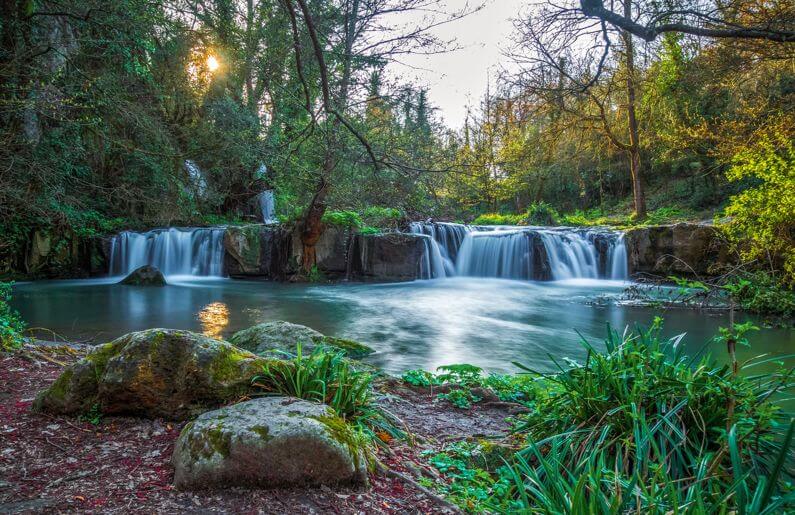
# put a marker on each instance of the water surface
(421, 324)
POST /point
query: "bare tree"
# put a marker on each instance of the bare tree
(737, 19)
(563, 58)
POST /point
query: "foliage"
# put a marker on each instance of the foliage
(762, 215)
(343, 218)
(462, 379)
(541, 213)
(328, 377)
(11, 324)
(498, 219)
(639, 427)
(761, 292)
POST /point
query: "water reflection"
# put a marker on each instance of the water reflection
(214, 318)
(424, 324)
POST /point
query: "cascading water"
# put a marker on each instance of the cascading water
(521, 252)
(173, 251)
(267, 207)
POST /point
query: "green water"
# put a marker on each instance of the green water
(422, 324)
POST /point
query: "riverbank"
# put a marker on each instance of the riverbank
(117, 464)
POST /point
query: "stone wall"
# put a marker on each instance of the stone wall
(683, 249)
(275, 252)
(51, 254)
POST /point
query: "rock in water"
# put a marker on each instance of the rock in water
(154, 373)
(268, 442)
(280, 336)
(145, 276)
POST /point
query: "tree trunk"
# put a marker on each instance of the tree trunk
(312, 226)
(635, 165)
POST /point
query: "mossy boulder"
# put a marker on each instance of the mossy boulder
(276, 337)
(268, 442)
(145, 276)
(154, 373)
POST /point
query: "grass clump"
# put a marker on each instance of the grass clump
(327, 376)
(12, 326)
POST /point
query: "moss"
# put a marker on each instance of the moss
(352, 349)
(262, 431)
(57, 391)
(227, 365)
(210, 441)
(100, 355)
(343, 433)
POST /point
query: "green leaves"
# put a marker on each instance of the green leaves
(12, 326)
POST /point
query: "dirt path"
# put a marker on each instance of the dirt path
(53, 464)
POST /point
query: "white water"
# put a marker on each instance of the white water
(196, 252)
(267, 207)
(510, 252)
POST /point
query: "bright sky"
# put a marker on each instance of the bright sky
(459, 79)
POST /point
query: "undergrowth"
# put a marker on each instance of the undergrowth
(638, 427)
(12, 326)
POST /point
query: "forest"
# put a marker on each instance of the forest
(267, 174)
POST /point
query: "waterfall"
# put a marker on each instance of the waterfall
(442, 241)
(514, 252)
(173, 251)
(267, 207)
(504, 253)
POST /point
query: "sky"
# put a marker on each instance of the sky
(459, 79)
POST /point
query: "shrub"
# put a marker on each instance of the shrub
(761, 220)
(498, 219)
(541, 213)
(11, 324)
(643, 415)
(761, 292)
(381, 217)
(342, 218)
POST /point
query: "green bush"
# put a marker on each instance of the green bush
(498, 219)
(762, 293)
(381, 217)
(541, 213)
(342, 218)
(11, 324)
(761, 220)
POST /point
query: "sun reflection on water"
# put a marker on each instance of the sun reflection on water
(214, 317)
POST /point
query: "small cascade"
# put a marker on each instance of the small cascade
(267, 206)
(514, 252)
(173, 251)
(442, 243)
(505, 254)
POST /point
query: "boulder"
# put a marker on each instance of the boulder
(154, 373)
(145, 276)
(256, 251)
(686, 249)
(331, 251)
(275, 337)
(268, 442)
(386, 257)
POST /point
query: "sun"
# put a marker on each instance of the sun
(212, 63)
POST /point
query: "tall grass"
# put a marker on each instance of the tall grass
(641, 427)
